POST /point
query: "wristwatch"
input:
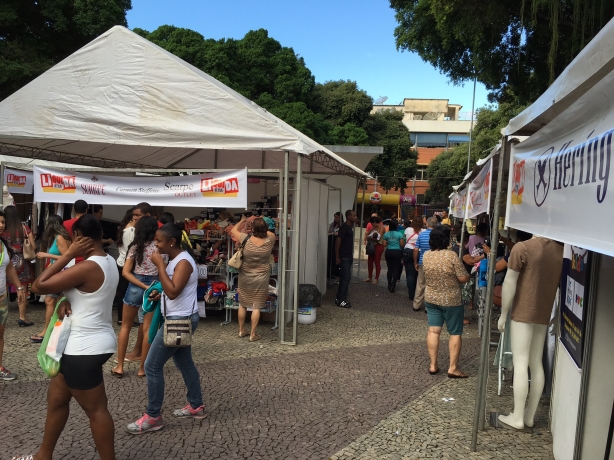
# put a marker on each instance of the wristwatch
(20, 288)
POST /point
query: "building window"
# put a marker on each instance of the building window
(441, 140)
(421, 173)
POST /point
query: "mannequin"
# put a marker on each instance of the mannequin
(7, 198)
(537, 262)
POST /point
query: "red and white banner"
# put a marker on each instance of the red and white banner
(216, 190)
(479, 192)
(18, 182)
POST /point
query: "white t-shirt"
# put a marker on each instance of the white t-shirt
(410, 238)
(186, 303)
(91, 327)
(5, 262)
(127, 238)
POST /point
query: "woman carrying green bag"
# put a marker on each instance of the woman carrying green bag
(7, 273)
(90, 288)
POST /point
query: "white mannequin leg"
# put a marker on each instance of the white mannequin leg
(536, 365)
(527, 348)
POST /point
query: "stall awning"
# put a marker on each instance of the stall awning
(121, 101)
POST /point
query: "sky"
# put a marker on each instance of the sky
(339, 40)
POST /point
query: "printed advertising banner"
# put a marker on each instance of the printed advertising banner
(574, 289)
(479, 191)
(19, 182)
(559, 177)
(459, 202)
(216, 190)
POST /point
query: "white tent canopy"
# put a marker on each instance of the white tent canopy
(121, 101)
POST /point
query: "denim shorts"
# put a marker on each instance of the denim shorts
(134, 294)
(452, 316)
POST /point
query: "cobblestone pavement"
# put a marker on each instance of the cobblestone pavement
(356, 378)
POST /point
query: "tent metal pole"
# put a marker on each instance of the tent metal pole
(283, 237)
(480, 401)
(362, 218)
(296, 245)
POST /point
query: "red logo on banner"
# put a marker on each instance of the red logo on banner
(58, 184)
(13, 180)
(220, 188)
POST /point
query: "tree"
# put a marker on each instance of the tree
(515, 47)
(449, 168)
(398, 162)
(36, 35)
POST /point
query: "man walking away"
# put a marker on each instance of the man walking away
(422, 246)
(344, 251)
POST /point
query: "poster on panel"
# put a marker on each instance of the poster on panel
(574, 290)
(479, 191)
(458, 210)
(559, 177)
(226, 189)
(18, 182)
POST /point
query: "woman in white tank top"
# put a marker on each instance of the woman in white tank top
(179, 281)
(89, 287)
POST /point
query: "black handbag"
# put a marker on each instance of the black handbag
(370, 249)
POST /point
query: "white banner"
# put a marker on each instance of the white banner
(19, 182)
(479, 192)
(215, 190)
(559, 177)
(460, 200)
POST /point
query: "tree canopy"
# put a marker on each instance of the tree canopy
(515, 47)
(276, 78)
(36, 35)
(449, 168)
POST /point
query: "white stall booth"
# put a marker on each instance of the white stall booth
(560, 189)
(121, 102)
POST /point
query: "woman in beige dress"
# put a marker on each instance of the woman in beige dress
(254, 273)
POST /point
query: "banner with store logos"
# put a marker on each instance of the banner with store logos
(459, 201)
(226, 189)
(559, 177)
(479, 192)
(18, 182)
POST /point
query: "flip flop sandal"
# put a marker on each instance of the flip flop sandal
(460, 375)
(243, 334)
(435, 372)
(119, 375)
(36, 338)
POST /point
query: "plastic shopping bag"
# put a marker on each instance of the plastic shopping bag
(58, 339)
(48, 365)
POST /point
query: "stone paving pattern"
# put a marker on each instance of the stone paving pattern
(357, 377)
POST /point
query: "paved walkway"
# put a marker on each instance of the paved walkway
(356, 387)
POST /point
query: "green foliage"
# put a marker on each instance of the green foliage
(35, 35)
(516, 47)
(398, 162)
(449, 168)
(273, 76)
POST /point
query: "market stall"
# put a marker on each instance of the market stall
(122, 102)
(559, 190)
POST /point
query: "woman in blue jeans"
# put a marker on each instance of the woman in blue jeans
(179, 282)
(140, 271)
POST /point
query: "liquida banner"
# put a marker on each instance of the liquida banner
(560, 176)
(459, 201)
(18, 182)
(225, 189)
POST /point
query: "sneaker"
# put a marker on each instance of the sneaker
(345, 304)
(145, 424)
(5, 374)
(188, 411)
(337, 302)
